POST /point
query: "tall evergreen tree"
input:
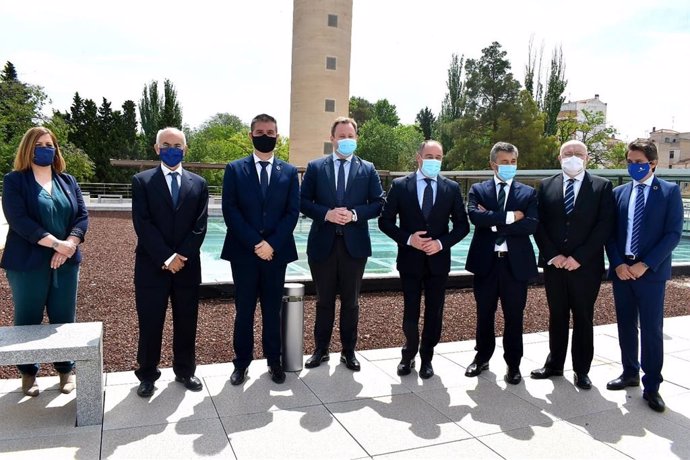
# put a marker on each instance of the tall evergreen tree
(386, 113)
(157, 112)
(555, 88)
(454, 102)
(361, 110)
(426, 120)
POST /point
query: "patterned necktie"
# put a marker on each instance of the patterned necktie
(637, 220)
(263, 178)
(569, 199)
(501, 205)
(340, 186)
(427, 199)
(174, 188)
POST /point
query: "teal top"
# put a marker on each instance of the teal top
(56, 213)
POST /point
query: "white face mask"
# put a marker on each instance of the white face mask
(572, 166)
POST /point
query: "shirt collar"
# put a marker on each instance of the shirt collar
(257, 159)
(577, 178)
(421, 177)
(648, 182)
(498, 181)
(167, 170)
(336, 157)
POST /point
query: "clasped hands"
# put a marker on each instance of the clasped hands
(264, 250)
(176, 264)
(64, 250)
(425, 244)
(339, 216)
(631, 272)
(566, 263)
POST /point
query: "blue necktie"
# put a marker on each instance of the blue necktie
(340, 186)
(501, 205)
(174, 188)
(569, 197)
(263, 178)
(427, 199)
(637, 220)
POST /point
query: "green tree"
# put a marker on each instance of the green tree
(453, 105)
(593, 132)
(555, 87)
(533, 83)
(77, 161)
(490, 86)
(616, 155)
(386, 113)
(425, 122)
(157, 112)
(361, 110)
(389, 148)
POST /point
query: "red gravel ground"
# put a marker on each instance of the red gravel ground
(106, 293)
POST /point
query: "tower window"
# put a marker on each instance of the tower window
(330, 105)
(330, 63)
(671, 154)
(327, 148)
(332, 20)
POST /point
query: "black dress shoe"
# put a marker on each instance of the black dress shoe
(238, 375)
(146, 389)
(317, 358)
(405, 367)
(654, 400)
(545, 373)
(426, 371)
(513, 376)
(583, 381)
(191, 383)
(350, 361)
(623, 382)
(276, 372)
(476, 368)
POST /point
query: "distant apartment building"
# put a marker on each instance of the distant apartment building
(575, 109)
(673, 147)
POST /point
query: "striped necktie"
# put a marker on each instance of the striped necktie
(637, 220)
(569, 199)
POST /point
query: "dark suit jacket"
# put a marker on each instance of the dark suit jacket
(662, 226)
(402, 201)
(163, 230)
(250, 219)
(363, 194)
(581, 235)
(480, 258)
(20, 205)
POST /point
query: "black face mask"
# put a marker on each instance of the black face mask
(264, 143)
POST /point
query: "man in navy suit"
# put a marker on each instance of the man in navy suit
(340, 193)
(504, 214)
(260, 208)
(169, 212)
(425, 203)
(649, 223)
(575, 221)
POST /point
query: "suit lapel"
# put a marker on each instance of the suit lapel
(251, 175)
(159, 182)
(583, 196)
(491, 201)
(512, 193)
(354, 167)
(654, 202)
(411, 187)
(276, 172)
(330, 177)
(185, 187)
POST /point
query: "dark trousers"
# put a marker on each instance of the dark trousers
(434, 287)
(54, 291)
(340, 274)
(500, 283)
(566, 292)
(263, 280)
(641, 302)
(152, 304)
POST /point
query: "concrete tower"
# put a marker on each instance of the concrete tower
(320, 89)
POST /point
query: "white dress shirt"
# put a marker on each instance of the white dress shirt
(510, 215)
(269, 167)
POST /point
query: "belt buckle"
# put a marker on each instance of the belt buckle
(631, 257)
(501, 254)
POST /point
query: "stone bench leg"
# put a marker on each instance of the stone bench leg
(89, 392)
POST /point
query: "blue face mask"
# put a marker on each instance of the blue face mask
(638, 170)
(44, 156)
(347, 146)
(171, 156)
(431, 168)
(506, 172)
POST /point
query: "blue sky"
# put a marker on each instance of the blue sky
(234, 56)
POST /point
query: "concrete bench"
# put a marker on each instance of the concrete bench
(47, 343)
(110, 198)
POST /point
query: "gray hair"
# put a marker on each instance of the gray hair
(423, 145)
(573, 142)
(173, 130)
(502, 147)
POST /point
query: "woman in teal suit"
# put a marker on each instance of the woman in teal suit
(47, 222)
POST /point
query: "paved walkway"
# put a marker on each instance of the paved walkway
(330, 412)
